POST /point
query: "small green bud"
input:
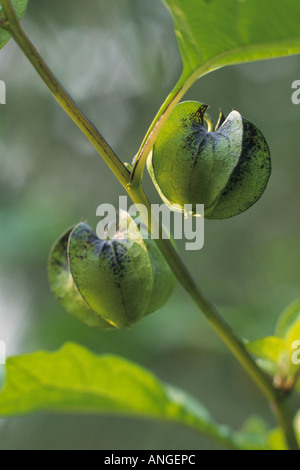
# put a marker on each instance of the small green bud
(226, 169)
(113, 282)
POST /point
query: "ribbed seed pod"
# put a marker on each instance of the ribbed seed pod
(109, 283)
(226, 169)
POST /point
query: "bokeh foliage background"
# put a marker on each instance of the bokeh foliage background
(119, 60)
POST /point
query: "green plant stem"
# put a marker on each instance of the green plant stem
(136, 193)
(185, 82)
(282, 412)
(161, 117)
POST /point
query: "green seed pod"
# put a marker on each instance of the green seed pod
(226, 169)
(113, 282)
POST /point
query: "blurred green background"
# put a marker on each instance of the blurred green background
(119, 60)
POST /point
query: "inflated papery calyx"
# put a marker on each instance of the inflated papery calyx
(226, 169)
(110, 283)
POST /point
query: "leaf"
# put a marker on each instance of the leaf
(2, 375)
(253, 434)
(20, 7)
(276, 440)
(271, 348)
(274, 356)
(289, 316)
(76, 380)
(267, 366)
(292, 340)
(214, 33)
(288, 328)
(293, 335)
(255, 425)
(279, 355)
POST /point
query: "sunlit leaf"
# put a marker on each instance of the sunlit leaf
(288, 317)
(253, 434)
(76, 380)
(270, 348)
(213, 33)
(276, 440)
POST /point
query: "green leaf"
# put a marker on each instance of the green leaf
(292, 340)
(280, 355)
(271, 348)
(267, 366)
(2, 375)
(273, 355)
(214, 33)
(20, 7)
(255, 425)
(76, 380)
(276, 440)
(288, 317)
(288, 328)
(293, 335)
(254, 434)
